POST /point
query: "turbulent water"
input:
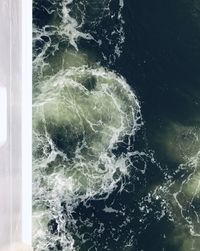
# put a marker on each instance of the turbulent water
(82, 114)
(106, 176)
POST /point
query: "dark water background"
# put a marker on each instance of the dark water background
(160, 60)
(163, 38)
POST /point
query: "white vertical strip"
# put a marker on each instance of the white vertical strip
(3, 114)
(10, 115)
(27, 121)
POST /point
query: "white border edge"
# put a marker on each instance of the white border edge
(26, 7)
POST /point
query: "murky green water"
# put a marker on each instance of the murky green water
(116, 132)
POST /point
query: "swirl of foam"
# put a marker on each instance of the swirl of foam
(79, 118)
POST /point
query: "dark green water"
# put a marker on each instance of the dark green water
(154, 205)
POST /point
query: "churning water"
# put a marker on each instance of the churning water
(111, 171)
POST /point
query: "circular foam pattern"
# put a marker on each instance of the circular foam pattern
(79, 118)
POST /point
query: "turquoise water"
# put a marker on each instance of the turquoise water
(116, 130)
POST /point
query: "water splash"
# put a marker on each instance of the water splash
(82, 115)
(79, 118)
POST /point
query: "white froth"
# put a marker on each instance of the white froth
(103, 116)
(81, 178)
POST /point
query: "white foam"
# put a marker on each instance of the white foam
(77, 179)
(102, 117)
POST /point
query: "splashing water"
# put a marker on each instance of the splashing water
(81, 114)
(79, 118)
